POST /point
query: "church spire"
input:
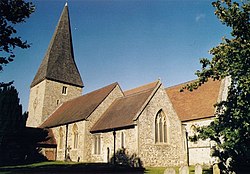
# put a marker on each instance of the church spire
(58, 63)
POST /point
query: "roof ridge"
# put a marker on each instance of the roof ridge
(154, 90)
(180, 84)
(89, 93)
(134, 91)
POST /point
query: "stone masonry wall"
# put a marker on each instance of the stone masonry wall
(171, 153)
(60, 156)
(93, 118)
(36, 101)
(45, 97)
(107, 142)
(74, 153)
(53, 96)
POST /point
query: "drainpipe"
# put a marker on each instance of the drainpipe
(66, 143)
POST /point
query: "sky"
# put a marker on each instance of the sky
(131, 42)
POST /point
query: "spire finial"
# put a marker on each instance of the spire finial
(66, 4)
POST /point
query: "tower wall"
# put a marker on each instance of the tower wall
(45, 97)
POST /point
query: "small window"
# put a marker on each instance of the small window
(57, 102)
(193, 131)
(64, 90)
(122, 140)
(61, 138)
(97, 145)
(75, 136)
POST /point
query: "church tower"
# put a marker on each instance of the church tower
(57, 79)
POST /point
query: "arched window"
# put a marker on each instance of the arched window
(193, 131)
(60, 138)
(75, 136)
(160, 128)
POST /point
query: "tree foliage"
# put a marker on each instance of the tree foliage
(12, 13)
(231, 58)
(17, 142)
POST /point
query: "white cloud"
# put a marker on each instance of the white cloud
(199, 17)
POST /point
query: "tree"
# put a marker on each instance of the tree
(231, 58)
(12, 13)
(17, 142)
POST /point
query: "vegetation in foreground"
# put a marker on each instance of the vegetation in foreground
(231, 58)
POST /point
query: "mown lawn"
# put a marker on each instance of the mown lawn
(160, 170)
(72, 167)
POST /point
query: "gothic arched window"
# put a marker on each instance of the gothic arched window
(160, 128)
(60, 138)
(75, 136)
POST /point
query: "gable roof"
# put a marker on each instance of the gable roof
(122, 113)
(58, 63)
(196, 104)
(79, 108)
(141, 88)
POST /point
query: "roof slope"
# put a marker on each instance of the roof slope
(122, 112)
(79, 108)
(58, 63)
(196, 104)
(141, 88)
(50, 140)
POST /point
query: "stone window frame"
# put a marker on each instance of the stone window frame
(60, 138)
(161, 128)
(193, 131)
(97, 148)
(64, 90)
(75, 137)
(123, 137)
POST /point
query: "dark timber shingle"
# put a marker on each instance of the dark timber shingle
(59, 64)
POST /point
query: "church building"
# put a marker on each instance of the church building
(150, 121)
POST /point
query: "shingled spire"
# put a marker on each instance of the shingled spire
(59, 64)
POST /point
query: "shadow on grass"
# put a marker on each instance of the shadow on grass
(206, 170)
(56, 168)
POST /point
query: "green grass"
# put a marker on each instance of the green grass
(40, 164)
(73, 166)
(160, 170)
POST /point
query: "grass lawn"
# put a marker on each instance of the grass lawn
(160, 170)
(73, 167)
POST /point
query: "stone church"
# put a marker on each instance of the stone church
(150, 121)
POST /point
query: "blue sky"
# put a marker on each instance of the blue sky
(125, 41)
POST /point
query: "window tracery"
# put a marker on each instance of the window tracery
(160, 128)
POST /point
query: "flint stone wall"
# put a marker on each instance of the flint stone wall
(158, 154)
(45, 97)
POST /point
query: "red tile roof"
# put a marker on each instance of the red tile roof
(50, 140)
(79, 108)
(196, 104)
(122, 112)
(141, 88)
